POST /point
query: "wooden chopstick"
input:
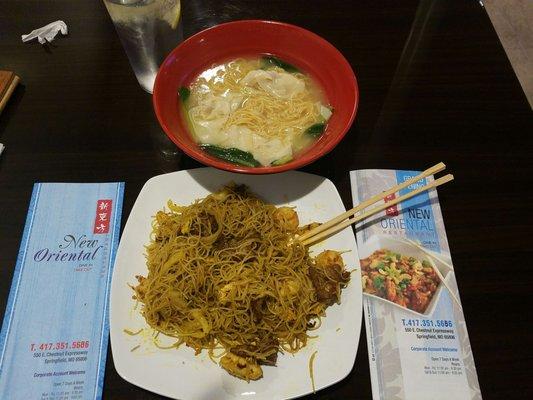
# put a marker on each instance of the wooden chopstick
(8, 82)
(344, 223)
(380, 196)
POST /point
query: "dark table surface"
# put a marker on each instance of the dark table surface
(435, 85)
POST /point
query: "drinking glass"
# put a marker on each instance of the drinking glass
(148, 30)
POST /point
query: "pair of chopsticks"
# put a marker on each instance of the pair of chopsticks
(344, 220)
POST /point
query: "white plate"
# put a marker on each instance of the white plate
(398, 245)
(182, 375)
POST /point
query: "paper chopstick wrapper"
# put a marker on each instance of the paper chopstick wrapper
(54, 337)
(415, 355)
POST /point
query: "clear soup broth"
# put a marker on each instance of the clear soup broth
(255, 112)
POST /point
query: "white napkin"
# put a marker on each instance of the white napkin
(46, 33)
(2, 147)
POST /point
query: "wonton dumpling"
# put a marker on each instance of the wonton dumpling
(239, 137)
(208, 131)
(210, 115)
(267, 151)
(211, 107)
(263, 149)
(280, 84)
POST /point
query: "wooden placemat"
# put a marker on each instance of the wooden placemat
(8, 82)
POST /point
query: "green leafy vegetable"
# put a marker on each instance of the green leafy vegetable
(378, 282)
(381, 265)
(316, 130)
(270, 61)
(184, 93)
(233, 155)
(282, 160)
(404, 283)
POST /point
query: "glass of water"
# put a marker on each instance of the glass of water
(148, 30)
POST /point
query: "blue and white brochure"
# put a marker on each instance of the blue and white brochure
(418, 345)
(53, 342)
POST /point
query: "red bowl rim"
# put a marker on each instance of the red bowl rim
(199, 155)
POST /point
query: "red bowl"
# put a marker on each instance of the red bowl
(307, 51)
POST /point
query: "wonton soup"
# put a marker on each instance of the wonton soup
(255, 111)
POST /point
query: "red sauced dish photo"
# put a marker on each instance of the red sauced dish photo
(406, 281)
